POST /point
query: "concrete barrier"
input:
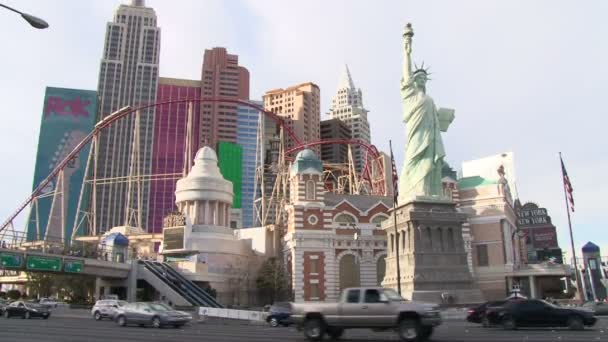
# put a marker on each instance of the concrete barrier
(204, 312)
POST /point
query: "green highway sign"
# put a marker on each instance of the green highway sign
(40, 263)
(10, 260)
(73, 266)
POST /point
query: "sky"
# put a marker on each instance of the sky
(523, 76)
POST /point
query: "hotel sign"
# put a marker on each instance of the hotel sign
(532, 217)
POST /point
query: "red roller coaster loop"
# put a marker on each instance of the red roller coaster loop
(110, 119)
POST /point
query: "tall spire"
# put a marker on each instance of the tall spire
(346, 80)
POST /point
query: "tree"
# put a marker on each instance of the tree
(40, 284)
(272, 281)
(13, 294)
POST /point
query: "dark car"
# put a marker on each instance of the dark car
(279, 314)
(154, 314)
(26, 310)
(478, 313)
(538, 313)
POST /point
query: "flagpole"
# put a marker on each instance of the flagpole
(579, 284)
(395, 223)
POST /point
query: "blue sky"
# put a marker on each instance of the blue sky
(523, 76)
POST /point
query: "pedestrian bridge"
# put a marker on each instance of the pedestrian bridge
(37, 261)
(109, 274)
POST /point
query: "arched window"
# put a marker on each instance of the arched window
(310, 190)
(377, 220)
(345, 219)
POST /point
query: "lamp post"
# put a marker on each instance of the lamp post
(32, 20)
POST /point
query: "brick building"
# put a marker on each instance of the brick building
(331, 241)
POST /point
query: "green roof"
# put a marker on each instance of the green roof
(474, 181)
(307, 160)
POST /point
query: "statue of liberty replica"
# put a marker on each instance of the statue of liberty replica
(421, 173)
(424, 231)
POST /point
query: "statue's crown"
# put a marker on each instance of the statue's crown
(421, 70)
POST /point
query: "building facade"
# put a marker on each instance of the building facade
(334, 153)
(248, 120)
(128, 76)
(331, 241)
(540, 233)
(300, 107)
(168, 156)
(347, 106)
(222, 76)
(498, 247)
(230, 161)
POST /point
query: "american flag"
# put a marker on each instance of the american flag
(567, 185)
(395, 176)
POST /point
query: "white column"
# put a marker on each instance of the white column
(227, 214)
(532, 281)
(206, 221)
(216, 216)
(220, 213)
(196, 212)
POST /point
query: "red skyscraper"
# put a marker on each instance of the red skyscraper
(221, 77)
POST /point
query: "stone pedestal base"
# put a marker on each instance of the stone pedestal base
(432, 258)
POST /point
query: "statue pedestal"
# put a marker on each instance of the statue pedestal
(432, 258)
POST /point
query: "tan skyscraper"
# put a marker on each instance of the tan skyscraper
(347, 106)
(222, 76)
(300, 107)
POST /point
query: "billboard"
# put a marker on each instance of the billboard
(68, 116)
(230, 162)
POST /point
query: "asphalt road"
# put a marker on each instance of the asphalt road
(67, 329)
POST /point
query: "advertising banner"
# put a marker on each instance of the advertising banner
(68, 116)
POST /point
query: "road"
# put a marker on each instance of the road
(66, 329)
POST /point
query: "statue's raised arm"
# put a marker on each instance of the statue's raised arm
(408, 33)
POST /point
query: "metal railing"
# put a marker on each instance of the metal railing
(19, 241)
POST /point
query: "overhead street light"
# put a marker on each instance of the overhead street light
(34, 21)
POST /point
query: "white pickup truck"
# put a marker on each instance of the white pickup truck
(368, 308)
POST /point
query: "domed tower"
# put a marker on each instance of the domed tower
(204, 196)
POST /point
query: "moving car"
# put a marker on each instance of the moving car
(26, 310)
(279, 314)
(48, 302)
(106, 308)
(538, 313)
(478, 313)
(599, 308)
(368, 308)
(154, 314)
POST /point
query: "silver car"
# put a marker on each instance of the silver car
(106, 308)
(599, 308)
(155, 314)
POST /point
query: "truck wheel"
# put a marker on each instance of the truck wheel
(335, 333)
(409, 330)
(314, 329)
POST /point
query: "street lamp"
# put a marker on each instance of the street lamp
(34, 21)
